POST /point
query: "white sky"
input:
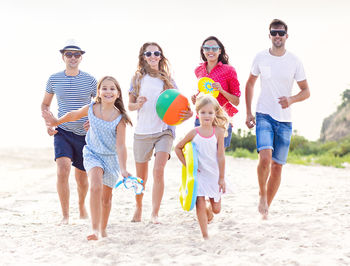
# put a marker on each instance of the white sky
(112, 33)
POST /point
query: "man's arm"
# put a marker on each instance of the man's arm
(45, 105)
(249, 92)
(304, 93)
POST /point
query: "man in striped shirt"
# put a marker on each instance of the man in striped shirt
(73, 89)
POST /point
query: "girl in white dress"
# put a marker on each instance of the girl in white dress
(209, 141)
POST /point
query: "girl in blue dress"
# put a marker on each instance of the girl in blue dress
(105, 150)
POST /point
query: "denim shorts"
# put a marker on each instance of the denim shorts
(68, 144)
(274, 135)
(227, 139)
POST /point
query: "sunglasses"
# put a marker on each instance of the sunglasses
(155, 53)
(214, 48)
(70, 55)
(280, 33)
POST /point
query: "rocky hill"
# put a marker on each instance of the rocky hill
(337, 125)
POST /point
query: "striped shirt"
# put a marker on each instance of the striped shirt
(72, 93)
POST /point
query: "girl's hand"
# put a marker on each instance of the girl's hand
(51, 131)
(50, 120)
(140, 101)
(125, 173)
(217, 86)
(222, 185)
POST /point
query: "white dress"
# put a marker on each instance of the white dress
(208, 167)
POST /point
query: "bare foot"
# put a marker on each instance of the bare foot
(64, 221)
(137, 215)
(205, 237)
(263, 207)
(93, 236)
(83, 212)
(104, 233)
(210, 214)
(154, 219)
(264, 216)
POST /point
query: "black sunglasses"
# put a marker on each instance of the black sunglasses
(280, 33)
(156, 53)
(70, 55)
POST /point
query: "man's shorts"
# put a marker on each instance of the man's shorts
(68, 144)
(274, 135)
(144, 145)
(227, 139)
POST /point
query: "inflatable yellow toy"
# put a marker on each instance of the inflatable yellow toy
(205, 86)
(188, 188)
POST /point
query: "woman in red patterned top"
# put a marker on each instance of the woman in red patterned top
(216, 67)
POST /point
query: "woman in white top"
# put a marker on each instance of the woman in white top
(152, 77)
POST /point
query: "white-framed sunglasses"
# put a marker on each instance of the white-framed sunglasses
(155, 53)
(214, 48)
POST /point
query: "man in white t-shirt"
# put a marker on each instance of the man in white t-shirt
(278, 69)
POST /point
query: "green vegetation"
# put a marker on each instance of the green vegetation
(301, 151)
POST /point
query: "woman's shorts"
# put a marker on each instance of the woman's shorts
(108, 163)
(274, 135)
(145, 144)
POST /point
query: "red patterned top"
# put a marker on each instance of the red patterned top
(227, 77)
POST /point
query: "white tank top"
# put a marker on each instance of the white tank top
(207, 155)
(148, 122)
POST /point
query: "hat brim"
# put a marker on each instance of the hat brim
(72, 48)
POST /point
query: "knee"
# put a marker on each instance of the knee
(158, 169)
(276, 166)
(96, 187)
(82, 182)
(216, 209)
(264, 161)
(276, 170)
(158, 174)
(200, 203)
(81, 176)
(63, 170)
(106, 200)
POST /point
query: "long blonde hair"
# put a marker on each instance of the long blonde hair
(118, 102)
(143, 69)
(220, 119)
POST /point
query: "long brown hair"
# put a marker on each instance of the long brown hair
(118, 102)
(223, 57)
(143, 69)
(220, 119)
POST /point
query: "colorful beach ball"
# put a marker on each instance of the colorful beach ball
(205, 86)
(169, 106)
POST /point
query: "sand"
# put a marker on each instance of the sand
(309, 221)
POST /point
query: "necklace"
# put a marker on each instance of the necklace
(110, 117)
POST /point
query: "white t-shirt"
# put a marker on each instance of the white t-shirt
(277, 75)
(148, 122)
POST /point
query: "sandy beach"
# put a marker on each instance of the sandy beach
(309, 221)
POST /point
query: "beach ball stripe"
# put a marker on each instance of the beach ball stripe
(169, 106)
